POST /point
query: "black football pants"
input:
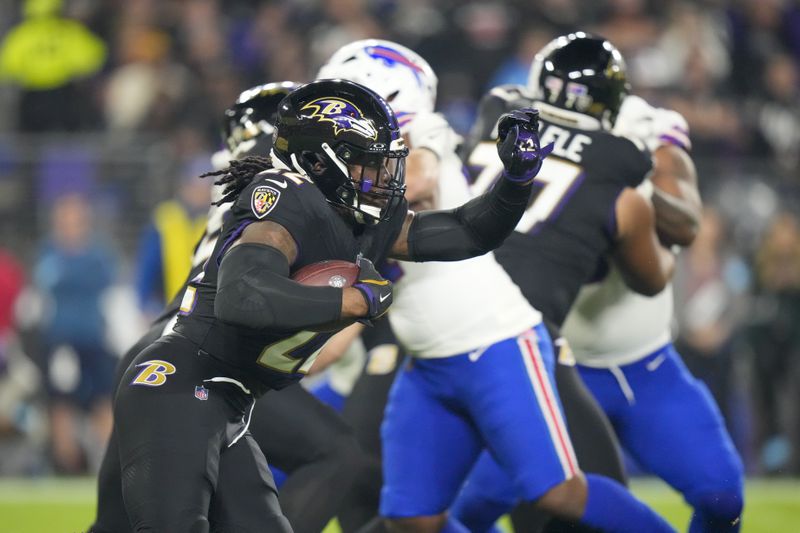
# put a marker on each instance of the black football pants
(187, 459)
(299, 434)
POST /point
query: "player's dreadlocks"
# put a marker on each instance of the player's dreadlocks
(238, 176)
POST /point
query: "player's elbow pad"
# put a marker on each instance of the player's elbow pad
(477, 227)
(254, 291)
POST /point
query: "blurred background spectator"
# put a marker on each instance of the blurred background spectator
(73, 272)
(774, 337)
(20, 435)
(165, 252)
(707, 303)
(122, 102)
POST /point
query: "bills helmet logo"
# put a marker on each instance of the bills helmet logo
(264, 200)
(201, 393)
(393, 58)
(343, 114)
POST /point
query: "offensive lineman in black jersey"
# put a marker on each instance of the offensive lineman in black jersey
(315, 445)
(586, 209)
(333, 190)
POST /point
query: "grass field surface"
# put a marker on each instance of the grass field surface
(67, 505)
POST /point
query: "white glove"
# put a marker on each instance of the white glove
(654, 126)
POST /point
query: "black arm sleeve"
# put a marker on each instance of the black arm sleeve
(254, 291)
(475, 228)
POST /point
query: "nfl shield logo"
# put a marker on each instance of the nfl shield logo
(201, 393)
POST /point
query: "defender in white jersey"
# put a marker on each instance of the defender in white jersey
(480, 372)
(442, 309)
(621, 340)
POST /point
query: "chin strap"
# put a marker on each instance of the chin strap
(297, 166)
(338, 162)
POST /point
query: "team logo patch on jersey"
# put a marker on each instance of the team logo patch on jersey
(154, 373)
(264, 199)
(201, 393)
(343, 114)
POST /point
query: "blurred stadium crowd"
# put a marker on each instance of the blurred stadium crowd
(109, 109)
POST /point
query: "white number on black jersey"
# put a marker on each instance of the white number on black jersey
(557, 178)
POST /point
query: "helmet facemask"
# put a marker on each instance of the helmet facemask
(370, 184)
(346, 139)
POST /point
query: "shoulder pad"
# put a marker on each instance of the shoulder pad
(431, 131)
(672, 128)
(283, 178)
(653, 126)
(631, 162)
(511, 93)
(273, 188)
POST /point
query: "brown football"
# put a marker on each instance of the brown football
(332, 273)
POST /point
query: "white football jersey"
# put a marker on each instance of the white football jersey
(609, 324)
(442, 309)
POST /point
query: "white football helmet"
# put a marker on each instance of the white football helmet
(405, 80)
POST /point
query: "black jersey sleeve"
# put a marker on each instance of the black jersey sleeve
(635, 161)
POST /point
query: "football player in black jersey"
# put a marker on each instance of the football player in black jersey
(586, 211)
(314, 445)
(333, 189)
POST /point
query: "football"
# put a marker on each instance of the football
(333, 273)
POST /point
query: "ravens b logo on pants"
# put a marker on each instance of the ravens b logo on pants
(154, 373)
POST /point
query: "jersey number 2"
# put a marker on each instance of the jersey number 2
(294, 354)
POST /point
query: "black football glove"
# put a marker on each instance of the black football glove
(376, 291)
(518, 145)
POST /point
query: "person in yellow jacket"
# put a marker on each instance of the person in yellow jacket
(165, 251)
(46, 55)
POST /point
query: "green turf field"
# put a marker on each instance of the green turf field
(67, 505)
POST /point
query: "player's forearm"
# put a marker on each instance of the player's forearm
(653, 279)
(254, 292)
(475, 228)
(336, 347)
(677, 220)
(675, 196)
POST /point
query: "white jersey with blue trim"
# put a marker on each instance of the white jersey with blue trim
(609, 324)
(441, 309)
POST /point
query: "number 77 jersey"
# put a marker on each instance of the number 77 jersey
(570, 224)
